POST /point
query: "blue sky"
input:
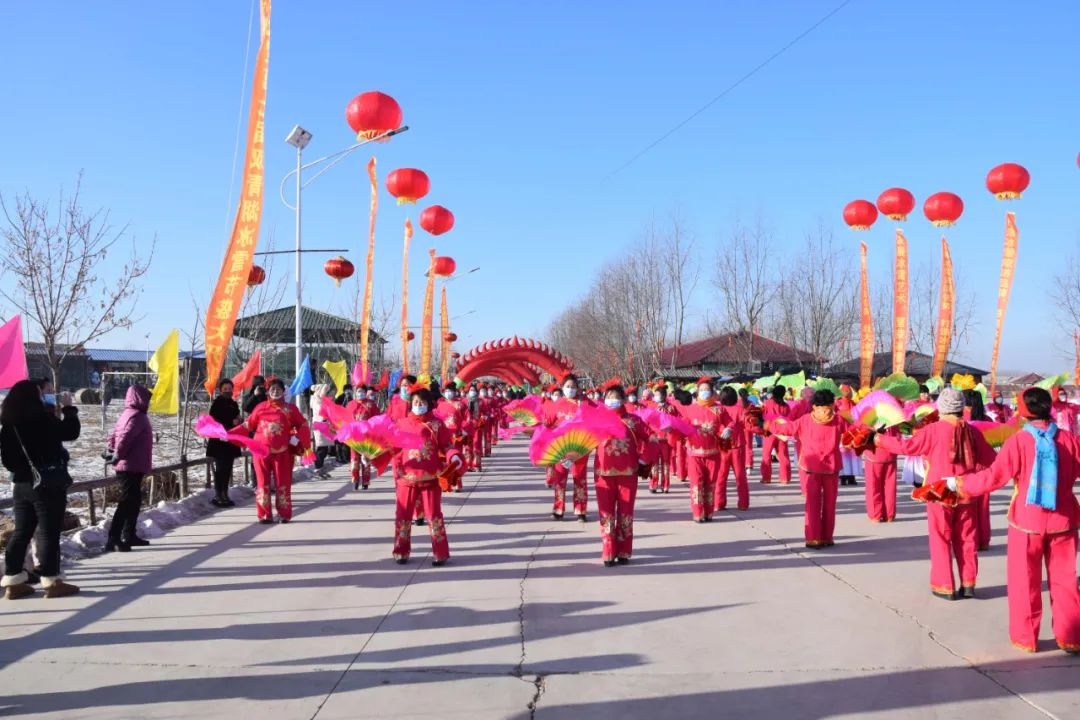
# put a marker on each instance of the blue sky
(521, 111)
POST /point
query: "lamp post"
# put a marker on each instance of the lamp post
(299, 139)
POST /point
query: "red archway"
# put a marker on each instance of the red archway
(513, 360)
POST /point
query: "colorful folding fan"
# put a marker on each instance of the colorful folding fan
(660, 422)
(335, 415)
(208, 427)
(997, 433)
(900, 386)
(509, 432)
(878, 410)
(377, 439)
(575, 438)
(527, 411)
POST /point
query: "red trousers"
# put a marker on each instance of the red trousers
(1026, 555)
(781, 447)
(615, 501)
(982, 522)
(661, 469)
(880, 490)
(478, 449)
(678, 461)
(820, 520)
(359, 468)
(952, 536)
(409, 496)
(559, 476)
(703, 472)
(488, 433)
(281, 466)
(734, 459)
(748, 446)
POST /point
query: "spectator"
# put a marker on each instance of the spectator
(323, 443)
(227, 412)
(30, 443)
(131, 444)
(257, 394)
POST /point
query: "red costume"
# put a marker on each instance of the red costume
(1037, 536)
(666, 443)
(455, 415)
(880, 468)
(733, 458)
(275, 423)
(818, 434)
(558, 412)
(703, 454)
(1064, 415)
(771, 410)
(951, 447)
(1000, 412)
(617, 461)
(359, 469)
(418, 471)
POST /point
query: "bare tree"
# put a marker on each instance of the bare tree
(1065, 294)
(60, 260)
(259, 300)
(923, 310)
(746, 280)
(683, 273)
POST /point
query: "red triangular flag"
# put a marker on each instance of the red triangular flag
(244, 378)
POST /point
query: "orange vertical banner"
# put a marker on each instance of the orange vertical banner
(445, 317)
(1076, 370)
(900, 303)
(232, 281)
(405, 299)
(1008, 269)
(365, 317)
(945, 311)
(866, 325)
(427, 329)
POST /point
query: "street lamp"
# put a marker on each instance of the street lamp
(299, 139)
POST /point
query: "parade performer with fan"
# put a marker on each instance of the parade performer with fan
(553, 395)
(879, 465)
(951, 447)
(417, 475)
(851, 464)
(752, 413)
(703, 448)
(363, 407)
(660, 479)
(454, 412)
(1064, 412)
(284, 430)
(620, 461)
(560, 411)
(775, 407)
(1044, 516)
(732, 454)
(998, 410)
(975, 411)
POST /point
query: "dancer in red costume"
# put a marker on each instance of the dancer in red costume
(285, 431)
(951, 447)
(775, 407)
(620, 461)
(1064, 413)
(732, 455)
(1044, 464)
(418, 476)
(363, 407)
(703, 448)
(454, 412)
(879, 466)
(558, 412)
(660, 479)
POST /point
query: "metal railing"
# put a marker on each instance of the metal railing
(155, 474)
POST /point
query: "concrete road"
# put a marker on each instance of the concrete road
(229, 619)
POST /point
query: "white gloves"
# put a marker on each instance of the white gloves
(566, 464)
(726, 435)
(294, 441)
(456, 461)
(950, 482)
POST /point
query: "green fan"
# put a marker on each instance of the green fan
(900, 386)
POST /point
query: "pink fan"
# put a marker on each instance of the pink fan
(507, 433)
(575, 438)
(877, 410)
(527, 411)
(660, 422)
(208, 427)
(335, 416)
(377, 436)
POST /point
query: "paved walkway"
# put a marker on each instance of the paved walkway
(229, 619)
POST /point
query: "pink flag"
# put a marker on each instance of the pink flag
(12, 353)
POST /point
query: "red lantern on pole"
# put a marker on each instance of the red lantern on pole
(450, 337)
(408, 185)
(896, 204)
(943, 209)
(410, 336)
(444, 266)
(371, 114)
(256, 276)
(339, 268)
(860, 214)
(436, 220)
(1008, 181)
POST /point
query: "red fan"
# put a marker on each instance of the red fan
(208, 427)
(937, 492)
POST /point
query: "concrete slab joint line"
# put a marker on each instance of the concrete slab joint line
(930, 633)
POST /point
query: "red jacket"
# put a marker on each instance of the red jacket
(455, 413)
(933, 443)
(561, 410)
(879, 454)
(397, 409)
(1064, 414)
(423, 464)
(274, 422)
(737, 415)
(1015, 463)
(363, 409)
(710, 419)
(619, 457)
(819, 443)
(772, 410)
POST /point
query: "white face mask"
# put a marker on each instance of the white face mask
(371, 396)
(631, 398)
(404, 393)
(570, 392)
(472, 394)
(420, 409)
(704, 394)
(449, 394)
(613, 403)
(556, 397)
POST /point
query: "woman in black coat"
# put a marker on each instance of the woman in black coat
(30, 442)
(225, 410)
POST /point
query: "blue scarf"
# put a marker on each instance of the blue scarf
(1042, 490)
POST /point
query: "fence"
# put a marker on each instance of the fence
(155, 475)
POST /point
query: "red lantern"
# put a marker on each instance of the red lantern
(410, 336)
(943, 209)
(339, 268)
(1008, 181)
(256, 276)
(408, 185)
(896, 203)
(860, 214)
(436, 220)
(450, 337)
(444, 266)
(371, 114)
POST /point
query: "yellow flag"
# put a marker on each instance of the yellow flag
(338, 372)
(165, 399)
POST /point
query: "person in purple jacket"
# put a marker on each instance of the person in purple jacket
(131, 444)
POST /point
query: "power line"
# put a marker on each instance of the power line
(730, 88)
